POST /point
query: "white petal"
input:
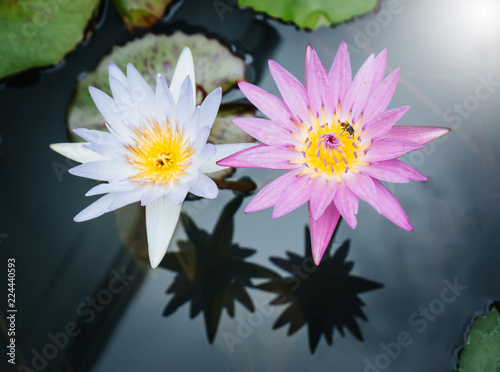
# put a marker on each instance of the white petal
(184, 68)
(202, 156)
(191, 127)
(141, 92)
(115, 72)
(106, 170)
(128, 107)
(223, 151)
(210, 107)
(125, 198)
(161, 220)
(177, 193)
(77, 152)
(104, 188)
(185, 103)
(204, 187)
(152, 194)
(164, 100)
(94, 136)
(106, 105)
(96, 209)
(201, 139)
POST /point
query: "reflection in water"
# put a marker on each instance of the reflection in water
(211, 270)
(325, 296)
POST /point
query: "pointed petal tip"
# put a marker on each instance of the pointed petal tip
(186, 49)
(248, 209)
(226, 162)
(155, 260)
(352, 223)
(441, 131)
(316, 258)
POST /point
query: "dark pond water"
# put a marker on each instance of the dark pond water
(386, 300)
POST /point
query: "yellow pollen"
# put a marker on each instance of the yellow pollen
(329, 148)
(160, 153)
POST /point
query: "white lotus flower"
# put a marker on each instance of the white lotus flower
(155, 152)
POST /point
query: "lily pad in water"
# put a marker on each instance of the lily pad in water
(482, 350)
(311, 14)
(37, 33)
(215, 66)
(141, 13)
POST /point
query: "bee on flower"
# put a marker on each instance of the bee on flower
(335, 138)
(155, 152)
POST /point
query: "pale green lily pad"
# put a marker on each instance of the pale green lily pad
(311, 13)
(482, 350)
(36, 33)
(140, 13)
(224, 131)
(215, 66)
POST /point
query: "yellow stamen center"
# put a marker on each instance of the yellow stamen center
(160, 153)
(330, 148)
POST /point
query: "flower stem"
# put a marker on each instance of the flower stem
(243, 186)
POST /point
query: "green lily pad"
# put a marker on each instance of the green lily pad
(482, 350)
(224, 131)
(215, 66)
(311, 13)
(140, 13)
(37, 33)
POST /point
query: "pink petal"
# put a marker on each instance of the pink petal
(322, 194)
(296, 194)
(390, 207)
(363, 187)
(381, 96)
(407, 170)
(389, 148)
(269, 157)
(417, 134)
(393, 171)
(322, 230)
(355, 99)
(340, 74)
(231, 160)
(309, 50)
(268, 196)
(319, 90)
(292, 91)
(270, 105)
(347, 204)
(382, 123)
(223, 151)
(384, 172)
(380, 66)
(265, 131)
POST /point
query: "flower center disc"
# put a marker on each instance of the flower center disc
(160, 153)
(330, 149)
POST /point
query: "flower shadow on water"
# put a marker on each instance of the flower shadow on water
(324, 297)
(211, 271)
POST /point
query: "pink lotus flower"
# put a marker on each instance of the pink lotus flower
(337, 140)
